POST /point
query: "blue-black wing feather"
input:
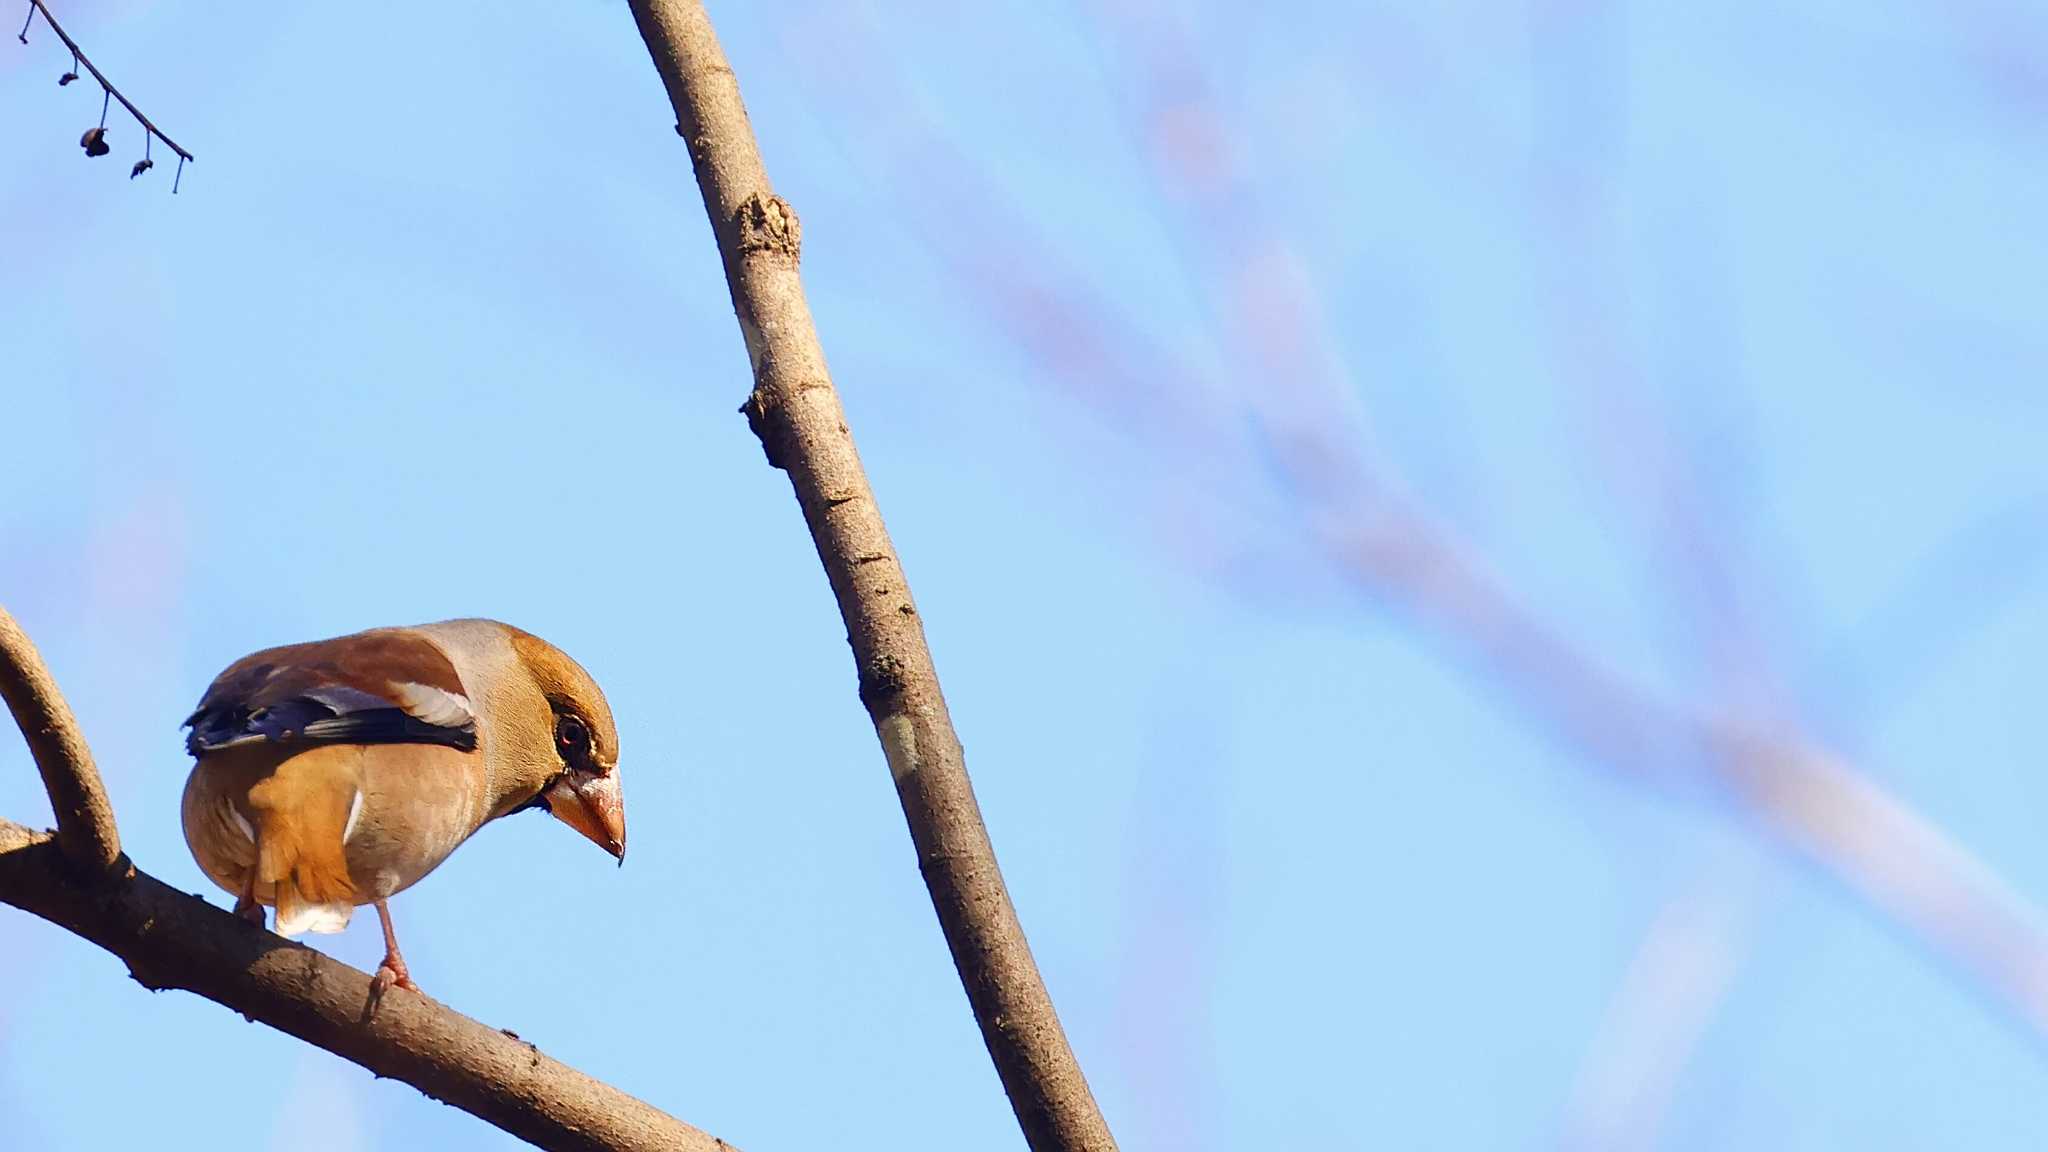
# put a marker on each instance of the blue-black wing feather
(329, 692)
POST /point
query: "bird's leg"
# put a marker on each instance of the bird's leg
(392, 971)
(245, 905)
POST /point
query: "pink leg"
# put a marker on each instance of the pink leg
(391, 973)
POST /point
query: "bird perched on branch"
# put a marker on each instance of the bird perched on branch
(336, 773)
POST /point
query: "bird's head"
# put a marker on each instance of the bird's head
(581, 785)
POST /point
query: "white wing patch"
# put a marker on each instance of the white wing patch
(432, 705)
(355, 812)
(242, 822)
(342, 699)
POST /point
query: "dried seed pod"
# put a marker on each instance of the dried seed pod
(141, 166)
(94, 142)
(66, 78)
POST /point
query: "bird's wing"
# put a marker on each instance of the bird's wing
(387, 686)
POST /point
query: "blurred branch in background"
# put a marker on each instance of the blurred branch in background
(1957, 589)
(1649, 457)
(1666, 999)
(1180, 891)
(1284, 378)
(170, 939)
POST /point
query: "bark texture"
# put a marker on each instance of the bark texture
(795, 412)
(85, 818)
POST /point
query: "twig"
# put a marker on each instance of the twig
(85, 818)
(795, 412)
(171, 940)
(79, 53)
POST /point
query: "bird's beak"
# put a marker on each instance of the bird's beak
(592, 805)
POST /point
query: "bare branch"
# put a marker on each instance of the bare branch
(795, 411)
(85, 818)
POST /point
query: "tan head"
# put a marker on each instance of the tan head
(582, 789)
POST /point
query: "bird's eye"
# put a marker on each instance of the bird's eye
(572, 735)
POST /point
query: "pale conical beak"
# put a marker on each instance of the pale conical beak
(593, 806)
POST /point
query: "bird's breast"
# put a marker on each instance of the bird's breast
(420, 802)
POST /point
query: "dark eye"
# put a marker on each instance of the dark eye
(573, 737)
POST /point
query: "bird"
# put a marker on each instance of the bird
(337, 773)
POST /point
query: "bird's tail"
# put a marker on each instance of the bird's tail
(299, 911)
(303, 817)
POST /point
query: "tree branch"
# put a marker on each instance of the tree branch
(171, 940)
(78, 55)
(795, 412)
(85, 818)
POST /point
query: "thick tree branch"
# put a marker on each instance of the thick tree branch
(85, 818)
(795, 411)
(171, 940)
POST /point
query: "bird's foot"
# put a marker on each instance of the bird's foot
(391, 974)
(251, 911)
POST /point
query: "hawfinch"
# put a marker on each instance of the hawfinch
(336, 773)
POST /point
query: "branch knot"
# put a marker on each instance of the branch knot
(769, 224)
(756, 409)
(882, 679)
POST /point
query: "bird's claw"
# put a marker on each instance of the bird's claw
(391, 974)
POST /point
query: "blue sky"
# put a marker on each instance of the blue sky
(1712, 335)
